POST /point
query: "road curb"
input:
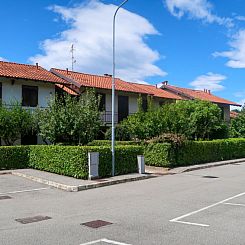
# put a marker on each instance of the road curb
(77, 188)
(204, 166)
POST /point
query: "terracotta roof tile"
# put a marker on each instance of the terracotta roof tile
(104, 82)
(67, 89)
(199, 94)
(30, 72)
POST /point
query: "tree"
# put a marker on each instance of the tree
(15, 121)
(70, 120)
(238, 126)
(195, 119)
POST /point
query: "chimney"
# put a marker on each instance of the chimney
(209, 91)
(37, 65)
(107, 75)
(67, 70)
(165, 83)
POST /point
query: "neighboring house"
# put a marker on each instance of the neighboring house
(30, 85)
(126, 95)
(202, 95)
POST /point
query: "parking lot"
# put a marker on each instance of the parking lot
(199, 207)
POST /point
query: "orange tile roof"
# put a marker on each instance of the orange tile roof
(30, 72)
(199, 94)
(104, 82)
(158, 92)
(67, 89)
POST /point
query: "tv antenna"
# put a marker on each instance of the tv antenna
(73, 61)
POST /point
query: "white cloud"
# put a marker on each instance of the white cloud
(196, 9)
(236, 55)
(2, 59)
(90, 30)
(210, 81)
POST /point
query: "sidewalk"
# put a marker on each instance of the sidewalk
(73, 184)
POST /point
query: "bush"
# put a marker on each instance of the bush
(14, 157)
(108, 143)
(15, 121)
(70, 160)
(158, 154)
(121, 133)
(194, 152)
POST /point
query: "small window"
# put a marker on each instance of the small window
(29, 96)
(102, 101)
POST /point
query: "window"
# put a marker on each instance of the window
(102, 101)
(123, 107)
(29, 96)
(144, 104)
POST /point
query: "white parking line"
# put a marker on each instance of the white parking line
(234, 204)
(29, 190)
(177, 220)
(106, 241)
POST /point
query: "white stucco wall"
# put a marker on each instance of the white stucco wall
(13, 92)
(226, 109)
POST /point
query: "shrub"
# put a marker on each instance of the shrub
(238, 126)
(14, 157)
(158, 154)
(121, 133)
(70, 120)
(108, 143)
(15, 121)
(194, 152)
(70, 160)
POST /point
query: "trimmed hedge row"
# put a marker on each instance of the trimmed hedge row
(14, 157)
(108, 142)
(70, 160)
(194, 152)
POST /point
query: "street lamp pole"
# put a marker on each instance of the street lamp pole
(113, 90)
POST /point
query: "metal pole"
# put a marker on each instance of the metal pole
(113, 91)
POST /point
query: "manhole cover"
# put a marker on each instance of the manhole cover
(32, 219)
(96, 223)
(5, 197)
(210, 177)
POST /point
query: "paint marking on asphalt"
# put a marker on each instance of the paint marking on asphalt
(106, 241)
(29, 190)
(190, 223)
(234, 204)
(203, 209)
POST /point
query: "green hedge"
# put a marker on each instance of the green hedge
(210, 151)
(158, 154)
(70, 160)
(194, 152)
(14, 157)
(108, 143)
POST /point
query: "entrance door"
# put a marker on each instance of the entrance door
(122, 107)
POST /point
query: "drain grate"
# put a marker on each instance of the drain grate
(96, 224)
(32, 219)
(210, 177)
(5, 197)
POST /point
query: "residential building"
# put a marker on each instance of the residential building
(126, 96)
(30, 85)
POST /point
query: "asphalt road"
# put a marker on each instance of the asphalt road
(180, 209)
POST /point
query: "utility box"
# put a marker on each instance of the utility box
(93, 163)
(141, 164)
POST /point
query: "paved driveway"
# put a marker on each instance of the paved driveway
(200, 207)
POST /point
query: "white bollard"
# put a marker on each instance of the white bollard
(141, 164)
(93, 163)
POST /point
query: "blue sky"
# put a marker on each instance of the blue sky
(191, 43)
